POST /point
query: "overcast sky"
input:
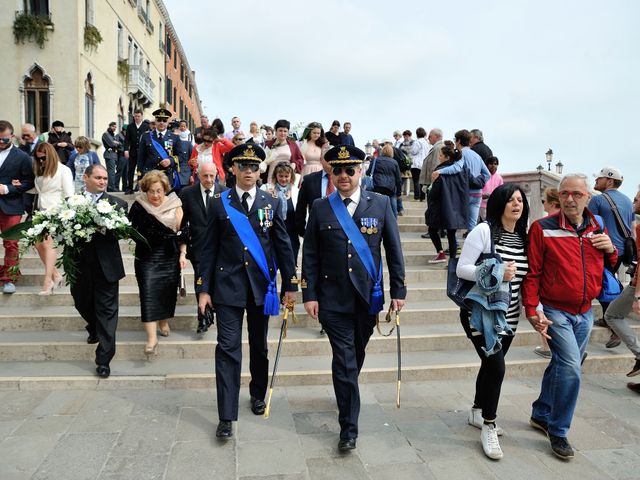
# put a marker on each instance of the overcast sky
(532, 75)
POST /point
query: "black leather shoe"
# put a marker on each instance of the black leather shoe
(224, 429)
(346, 444)
(634, 387)
(103, 371)
(257, 406)
(91, 339)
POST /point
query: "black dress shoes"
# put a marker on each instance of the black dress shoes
(103, 371)
(224, 429)
(634, 387)
(257, 406)
(346, 444)
(91, 339)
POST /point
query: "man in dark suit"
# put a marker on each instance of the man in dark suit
(163, 154)
(15, 167)
(28, 139)
(196, 200)
(111, 146)
(132, 139)
(339, 263)
(246, 239)
(100, 268)
(314, 185)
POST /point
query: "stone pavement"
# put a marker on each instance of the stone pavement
(169, 434)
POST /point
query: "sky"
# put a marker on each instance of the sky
(532, 75)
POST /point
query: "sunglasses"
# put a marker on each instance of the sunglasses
(337, 171)
(577, 194)
(207, 142)
(41, 158)
(254, 167)
(5, 139)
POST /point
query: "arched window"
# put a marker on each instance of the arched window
(89, 107)
(37, 99)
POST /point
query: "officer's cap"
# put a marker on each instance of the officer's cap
(344, 155)
(247, 152)
(162, 114)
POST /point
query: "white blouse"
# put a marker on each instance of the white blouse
(53, 190)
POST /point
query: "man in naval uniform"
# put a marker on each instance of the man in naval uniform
(246, 243)
(342, 275)
(158, 150)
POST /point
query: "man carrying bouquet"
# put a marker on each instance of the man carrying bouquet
(100, 268)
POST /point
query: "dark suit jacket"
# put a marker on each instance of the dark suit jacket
(310, 191)
(132, 137)
(228, 271)
(27, 148)
(331, 268)
(148, 157)
(483, 150)
(17, 166)
(195, 219)
(103, 251)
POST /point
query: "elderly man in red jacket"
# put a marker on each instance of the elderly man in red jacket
(567, 254)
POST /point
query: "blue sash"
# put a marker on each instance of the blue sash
(362, 249)
(164, 154)
(250, 240)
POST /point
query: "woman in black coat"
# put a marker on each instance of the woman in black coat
(447, 204)
(386, 177)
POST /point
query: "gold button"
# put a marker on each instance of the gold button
(351, 269)
(329, 227)
(245, 249)
(349, 256)
(349, 241)
(221, 268)
(246, 263)
(326, 276)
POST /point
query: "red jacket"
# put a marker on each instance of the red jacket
(217, 150)
(565, 270)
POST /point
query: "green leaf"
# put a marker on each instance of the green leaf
(17, 232)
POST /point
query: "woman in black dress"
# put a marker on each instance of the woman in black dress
(157, 216)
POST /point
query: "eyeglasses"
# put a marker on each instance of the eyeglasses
(251, 166)
(241, 139)
(5, 139)
(40, 158)
(337, 171)
(543, 201)
(207, 142)
(26, 135)
(576, 194)
(160, 120)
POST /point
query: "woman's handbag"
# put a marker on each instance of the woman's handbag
(457, 288)
(367, 180)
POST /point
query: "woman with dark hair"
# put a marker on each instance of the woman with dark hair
(314, 146)
(282, 149)
(210, 150)
(447, 205)
(506, 230)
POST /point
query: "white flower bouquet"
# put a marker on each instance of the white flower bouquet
(71, 224)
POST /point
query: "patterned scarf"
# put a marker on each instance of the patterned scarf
(284, 192)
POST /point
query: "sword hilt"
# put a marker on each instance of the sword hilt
(267, 409)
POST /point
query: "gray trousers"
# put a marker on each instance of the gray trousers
(616, 318)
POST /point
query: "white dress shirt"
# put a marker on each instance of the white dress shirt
(204, 195)
(252, 195)
(355, 200)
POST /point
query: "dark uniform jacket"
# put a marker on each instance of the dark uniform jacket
(148, 157)
(104, 250)
(63, 152)
(194, 219)
(332, 272)
(132, 137)
(227, 268)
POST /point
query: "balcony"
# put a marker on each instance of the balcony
(161, 46)
(140, 85)
(142, 15)
(150, 27)
(133, 3)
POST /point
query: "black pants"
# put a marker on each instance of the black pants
(121, 171)
(418, 194)
(348, 334)
(491, 373)
(229, 355)
(131, 169)
(434, 234)
(96, 299)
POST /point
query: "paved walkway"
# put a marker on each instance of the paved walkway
(169, 434)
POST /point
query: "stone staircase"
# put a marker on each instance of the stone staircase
(43, 341)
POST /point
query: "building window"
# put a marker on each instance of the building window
(89, 11)
(120, 41)
(168, 43)
(181, 109)
(175, 95)
(160, 91)
(169, 91)
(89, 107)
(181, 72)
(175, 60)
(37, 100)
(37, 7)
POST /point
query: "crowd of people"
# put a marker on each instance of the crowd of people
(237, 205)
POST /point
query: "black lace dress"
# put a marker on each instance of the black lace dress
(157, 265)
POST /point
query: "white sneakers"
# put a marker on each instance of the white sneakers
(475, 419)
(490, 443)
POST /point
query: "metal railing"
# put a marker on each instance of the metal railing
(140, 83)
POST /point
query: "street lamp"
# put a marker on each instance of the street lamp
(549, 157)
(368, 148)
(540, 169)
(559, 166)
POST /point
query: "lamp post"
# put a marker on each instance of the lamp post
(549, 157)
(368, 148)
(559, 166)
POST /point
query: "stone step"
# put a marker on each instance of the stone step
(300, 342)
(308, 370)
(413, 273)
(27, 296)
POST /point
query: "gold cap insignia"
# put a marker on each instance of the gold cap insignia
(343, 154)
(294, 280)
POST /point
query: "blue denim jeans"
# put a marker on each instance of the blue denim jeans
(561, 381)
(400, 204)
(474, 211)
(394, 205)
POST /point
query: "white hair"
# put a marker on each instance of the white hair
(578, 176)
